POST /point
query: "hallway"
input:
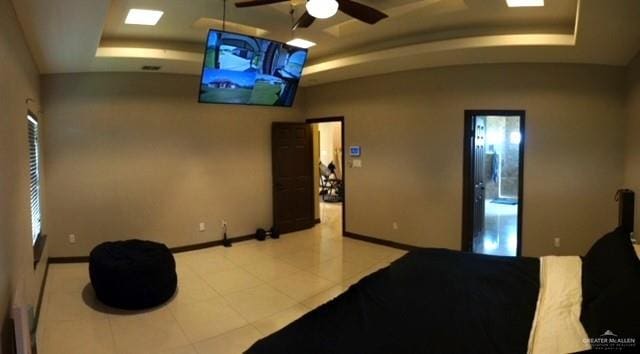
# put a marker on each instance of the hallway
(331, 215)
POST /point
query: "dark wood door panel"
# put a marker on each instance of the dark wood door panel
(292, 176)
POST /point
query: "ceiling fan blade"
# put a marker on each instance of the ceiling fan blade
(252, 3)
(361, 12)
(304, 21)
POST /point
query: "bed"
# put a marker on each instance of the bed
(443, 301)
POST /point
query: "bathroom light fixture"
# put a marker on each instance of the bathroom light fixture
(143, 17)
(322, 8)
(301, 43)
(525, 3)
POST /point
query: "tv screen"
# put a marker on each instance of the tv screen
(240, 69)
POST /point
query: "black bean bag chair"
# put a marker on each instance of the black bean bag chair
(133, 274)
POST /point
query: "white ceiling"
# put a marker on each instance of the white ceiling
(90, 35)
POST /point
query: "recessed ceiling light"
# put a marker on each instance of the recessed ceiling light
(301, 43)
(143, 17)
(525, 3)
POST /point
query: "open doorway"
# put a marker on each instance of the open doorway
(328, 142)
(493, 166)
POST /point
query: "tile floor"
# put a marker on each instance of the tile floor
(500, 235)
(227, 299)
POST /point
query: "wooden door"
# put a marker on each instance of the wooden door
(292, 159)
(479, 133)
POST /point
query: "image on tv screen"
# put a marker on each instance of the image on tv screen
(240, 69)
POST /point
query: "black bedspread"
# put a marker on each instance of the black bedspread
(429, 301)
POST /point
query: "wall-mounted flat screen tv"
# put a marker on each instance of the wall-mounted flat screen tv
(240, 69)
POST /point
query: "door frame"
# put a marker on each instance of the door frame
(343, 164)
(467, 179)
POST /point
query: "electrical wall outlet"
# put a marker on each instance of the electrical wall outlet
(223, 223)
(394, 225)
(72, 238)
(556, 242)
(202, 227)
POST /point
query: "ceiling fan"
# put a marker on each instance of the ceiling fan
(325, 9)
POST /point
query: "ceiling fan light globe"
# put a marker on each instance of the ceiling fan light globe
(322, 8)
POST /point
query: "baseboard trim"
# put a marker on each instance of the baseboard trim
(179, 249)
(38, 249)
(41, 296)
(199, 246)
(64, 260)
(378, 241)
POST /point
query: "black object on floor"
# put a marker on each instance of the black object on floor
(262, 234)
(225, 241)
(505, 201)
(133, 274)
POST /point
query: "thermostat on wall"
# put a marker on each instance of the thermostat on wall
(355, 151)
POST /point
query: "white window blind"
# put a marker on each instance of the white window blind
(34, 177)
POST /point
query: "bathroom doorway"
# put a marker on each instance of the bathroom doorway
(493, 184)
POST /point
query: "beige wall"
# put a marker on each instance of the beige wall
(19, 77)
(410, 127)
(135, 155)
(632, 160)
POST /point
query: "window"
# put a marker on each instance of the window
(34, 176)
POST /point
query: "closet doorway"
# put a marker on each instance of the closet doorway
(493, 182)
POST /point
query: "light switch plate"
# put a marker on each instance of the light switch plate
(357, 163)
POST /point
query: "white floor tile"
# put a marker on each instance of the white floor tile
(150, 331)
(67, 277)
(277, 321)
(271, 269)
(188, 349)
(337, 269)
(206, 319)
(301, 285)
(77, 337)
(323, 297)
(231, 280)
(70, 306)
(259, 302)
(193, 290)
(227, 297)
